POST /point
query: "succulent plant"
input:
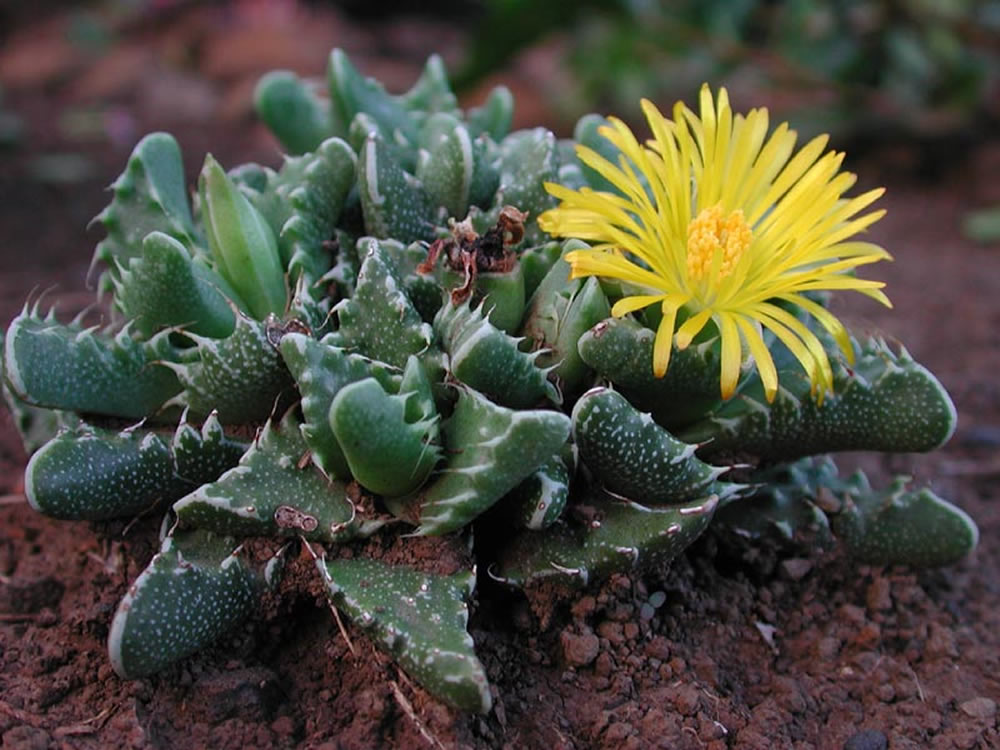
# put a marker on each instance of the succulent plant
(379, 338)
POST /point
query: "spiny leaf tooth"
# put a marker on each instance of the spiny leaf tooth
(62, 367)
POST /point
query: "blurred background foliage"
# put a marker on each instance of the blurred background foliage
(859, 68)
(918, 80)
(856, 67)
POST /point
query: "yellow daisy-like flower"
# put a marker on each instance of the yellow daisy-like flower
(715, 217)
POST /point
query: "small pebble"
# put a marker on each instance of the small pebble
(658, 647)
(868, 635)
(852, 613)
(686, 699)
(980, 708)
(878, 597)
(867, 739)
(940, 642)
(617, 732)
(604, 665)
(796, 568)
(579, 650)
(584, 607)
(613, 631)
(885, 693)
(828, 648)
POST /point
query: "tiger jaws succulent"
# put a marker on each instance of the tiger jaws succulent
(380, 336)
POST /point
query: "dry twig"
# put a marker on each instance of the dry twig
(407, 708)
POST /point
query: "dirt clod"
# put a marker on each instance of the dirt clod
(27, 738)
(579, 650)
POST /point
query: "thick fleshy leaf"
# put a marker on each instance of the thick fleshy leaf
(536, 262)
(291, 109)
(559, 312)
(164, 287)
(394, 203)
(379, 321)
(80, 369)
(243, 244)
(784, 506)
(621, 350)
(351, 93)
(193, 591)
(617, 537)
(539, 500)
(494, 116)
(633, 456)
(431, 92)
(321, 369)
(92, 473)
(884, 402)
(273, 492)
(446, 167)
(529, 159)
(420, 620)
(242, 377)
(488, 360)
(387, 453)
(490, 450)
(899, 526)
(314, 188)
(150, 195)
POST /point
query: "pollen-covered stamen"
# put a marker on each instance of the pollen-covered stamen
(710, 233)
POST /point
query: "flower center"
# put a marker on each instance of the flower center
(709, 234)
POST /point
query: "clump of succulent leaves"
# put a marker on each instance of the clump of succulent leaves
(377, 337)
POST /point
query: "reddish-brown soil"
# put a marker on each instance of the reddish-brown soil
(743, 651)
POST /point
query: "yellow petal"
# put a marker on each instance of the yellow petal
(597, 263)
(762, 357)
(691, 328)
(636, 302)
(732, 354)
(794, 344)
(789, 175)
(663, 342)
(823, 380)
(828, 320)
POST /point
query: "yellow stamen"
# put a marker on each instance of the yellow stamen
(710, 234)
